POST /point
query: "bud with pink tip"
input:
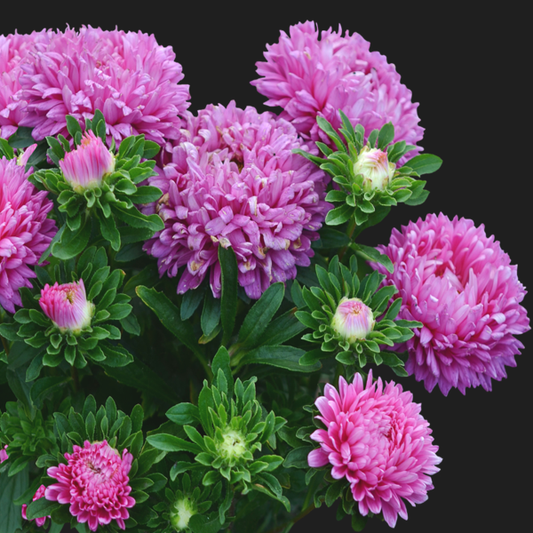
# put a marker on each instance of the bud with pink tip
(375, 168)
(353, 320)
(3, 454)
(67, 306)
(85, 167)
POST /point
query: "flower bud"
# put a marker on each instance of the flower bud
(374, 165)
(67, 306)
(3, 454)
(85, 167)
(233, 447)
(181, 513)
(353, 320)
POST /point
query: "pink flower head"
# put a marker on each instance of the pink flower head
(235, 182)
(128, 76)
(39, 494)
(95, 484)
(85, 167)
(353, 320)
(25, 232)
(310, 77)
(376, 438)
(67, 306)
(3, 454)
(462, 287)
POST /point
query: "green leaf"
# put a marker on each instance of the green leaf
(202, 524)
(424, 164)
(297, 458)
(184, 413)
(371, 254)
(171, 443)
(136, 219)
(221, 361)
(386, 135)
(261, 313)
(41, 507)
(228, 300)
(339, 215)
(72, 242)
(283, 328)
(10, 489)
(210, 314)
(286, 357)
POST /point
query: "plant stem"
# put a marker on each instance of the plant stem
(298, 517)
(349, 231)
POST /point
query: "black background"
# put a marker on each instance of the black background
(467, 70)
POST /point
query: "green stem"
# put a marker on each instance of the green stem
(298, 517)
(349, 231)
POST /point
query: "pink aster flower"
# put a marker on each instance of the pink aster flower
(25, 232)
(3, 454)
(39, 494)
(376, 438)
(128, 76)
(85, 167)
(234, 182)
(462, 287)
(353, 320)
(310, 77)
(67, 306)
(94, 482)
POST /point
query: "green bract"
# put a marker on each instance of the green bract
(358, 204)
(110, 205)
(93, 342)
(339, 282)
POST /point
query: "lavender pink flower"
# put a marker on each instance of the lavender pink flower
(86, 166)
(94, 483)
(3, 454)
(25, 231)
(132, 79)
(67, 306)
(234, 182)
(462, 287)
(308, 76)
(377, 440)
(39, 494)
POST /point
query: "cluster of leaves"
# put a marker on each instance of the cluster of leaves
(112, 203)
(338, 282)
(93, 343)
(121, 432)
(235, 429)
(368, 207)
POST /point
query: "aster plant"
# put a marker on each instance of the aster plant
(207, 266)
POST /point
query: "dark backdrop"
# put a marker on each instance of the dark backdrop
(467, 73)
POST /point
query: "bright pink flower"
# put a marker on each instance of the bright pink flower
(39, 494)
(462, 287)
(234, 182)
(85, 166)
(3, 454)
(376, 438)
(128, 76)
(353, 320)
(95, 484)
(67, 306)
(309, 77)
(25, 232)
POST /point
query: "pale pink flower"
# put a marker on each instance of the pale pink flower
(462, 287)
(25, 231)
(95, 484)
(86, 166)
(3, 454)
(66, 306)
(39, 494)
(376, 438)
(373, 164)
(308, 76)
(235, 182)
(132, 79)
(353, 320)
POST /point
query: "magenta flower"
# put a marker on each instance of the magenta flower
(376, 438)
(25, 232)
(461, 285)
(3, 454)
(128, 76)
(67, 306)
(353, 320)
(234, 182)
(95, 484)
(39, 494)
(86, 166)
(310, 77)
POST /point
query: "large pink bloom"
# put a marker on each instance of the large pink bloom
(376, 438)
(128, 76)
(25, 232)
(310, 77)
(462, 287)
(234, 182)
(95, 484)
